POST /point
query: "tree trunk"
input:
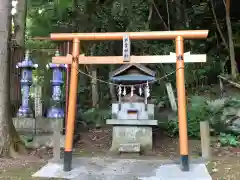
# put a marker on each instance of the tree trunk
(230, 39)
(95, 95)
(111, 86)
(179, 23)
(5, 117)
(217, 24)
(8, 136)
(19, 20)
(19, 34)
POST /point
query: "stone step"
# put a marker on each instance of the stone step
(137, 122)
(130, 148)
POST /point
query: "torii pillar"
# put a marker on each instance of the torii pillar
(178, 58)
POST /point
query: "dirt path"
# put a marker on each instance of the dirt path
(224, 166)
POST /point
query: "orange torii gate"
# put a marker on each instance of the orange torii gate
(75, 59)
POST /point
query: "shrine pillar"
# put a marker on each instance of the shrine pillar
(71, 106)
(182, 113)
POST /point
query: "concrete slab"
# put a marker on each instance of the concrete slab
(173, 172)
(104, 168)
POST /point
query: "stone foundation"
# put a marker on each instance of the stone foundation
(40, 125)
(131, 132)
(41, 141)
(39, 132)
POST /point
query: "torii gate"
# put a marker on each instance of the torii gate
(75, 59)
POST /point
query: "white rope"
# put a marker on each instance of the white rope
(111, 83)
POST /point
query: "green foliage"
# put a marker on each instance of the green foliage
(197, 111)
(223, 114)
(95, 116)
(35, 46)
(229, 139)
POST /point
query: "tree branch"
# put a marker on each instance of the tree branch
(168, 15)
(159, 15)
(150, 13)
(217, 25)
(224, 3)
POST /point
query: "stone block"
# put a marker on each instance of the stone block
(24, 124)
(130, 148)
(140, 107)
(40, 125)
(43, 131)
(150, 109)
(43, 140)
(131, 134)
(37, 101)
(132, 122)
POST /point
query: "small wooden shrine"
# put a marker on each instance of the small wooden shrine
(132, 115)
(133, 80)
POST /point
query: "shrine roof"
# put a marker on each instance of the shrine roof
(132, 77)
(140, 67)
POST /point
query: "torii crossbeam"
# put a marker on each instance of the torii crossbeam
(133, 59)
(75, 59)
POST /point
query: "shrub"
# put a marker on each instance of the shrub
(197, 111)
